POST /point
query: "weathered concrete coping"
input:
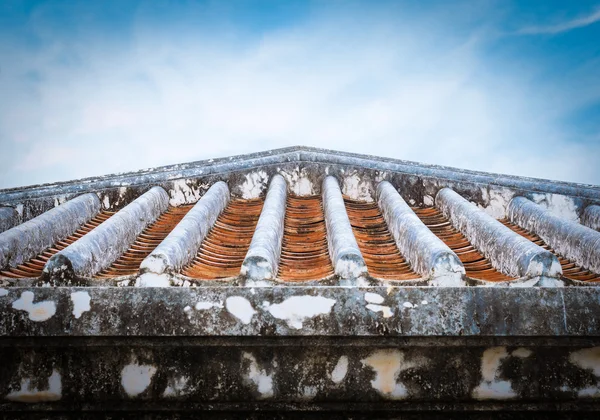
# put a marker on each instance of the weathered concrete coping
(426, 253)
(348, 262)
(8, 218)
(570, 239)
(102, 246)
(27, 240)
(262, 259)
(591, 217)
(300, 311)
(509, 252)
(181, 245)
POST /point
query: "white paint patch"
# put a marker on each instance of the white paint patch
(258, 376)
(205, 305)
(254, 185)
(385, 310)
(340, 371)
(153, 280)
(136, 378)
(587, 359)
(3, 292)
(522, 353)
(491, 386)
(296, 309)
(424, 302)
(38, 312)
(81, 303)
(240, 308)
(408, 305)
(387, 365)
(356, 189)
(373, 298)
(27, 394)
(176, 387)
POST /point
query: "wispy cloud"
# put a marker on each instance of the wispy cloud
(557, 28)
(391, 86)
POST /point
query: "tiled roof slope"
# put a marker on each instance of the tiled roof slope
(301, 216)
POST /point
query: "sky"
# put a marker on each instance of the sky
(92, 88)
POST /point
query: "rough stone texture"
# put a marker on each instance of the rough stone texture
(103, 245)
(348, 262)
(426, 253)
(591, 217)
(181, 245)
(27, 240)
(8, 218)
(570, 239)
(262, 260)
(508, 251)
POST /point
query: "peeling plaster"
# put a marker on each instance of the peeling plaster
(38, 312)
(135, 378)
(297, 309)
(357, 189)
(81, 303)
(491, 386)
(258, 376)
(340, 371)
(240, 308)
(26, 394)
(387, 365)
(254, 185)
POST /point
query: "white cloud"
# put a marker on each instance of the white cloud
(392, 88)
(557, 28)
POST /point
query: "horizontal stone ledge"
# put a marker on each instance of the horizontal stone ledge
(301, 311)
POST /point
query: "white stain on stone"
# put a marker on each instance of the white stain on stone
(258, 376)
(424, 302)
(408, 305)
(136, 378)
(428, 200)
(356, 189)
(340, 371)
(297, 309)
(497, 199)
(176, 387)
(106, 202)
(81, 303)
(3, 292)
(27, 394)
(298, 182)
(38, 312)
(588, 359)
(559, 205)
(183, 193)
(373, 298)
(522, 353)
(204, 305)
(385, 310)
(254, 185)
(153, 280)
(240, 308)
(491, 386)
(387, 365)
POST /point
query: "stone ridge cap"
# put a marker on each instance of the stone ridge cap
(300, 154)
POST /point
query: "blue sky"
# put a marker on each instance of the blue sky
(89, 88)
